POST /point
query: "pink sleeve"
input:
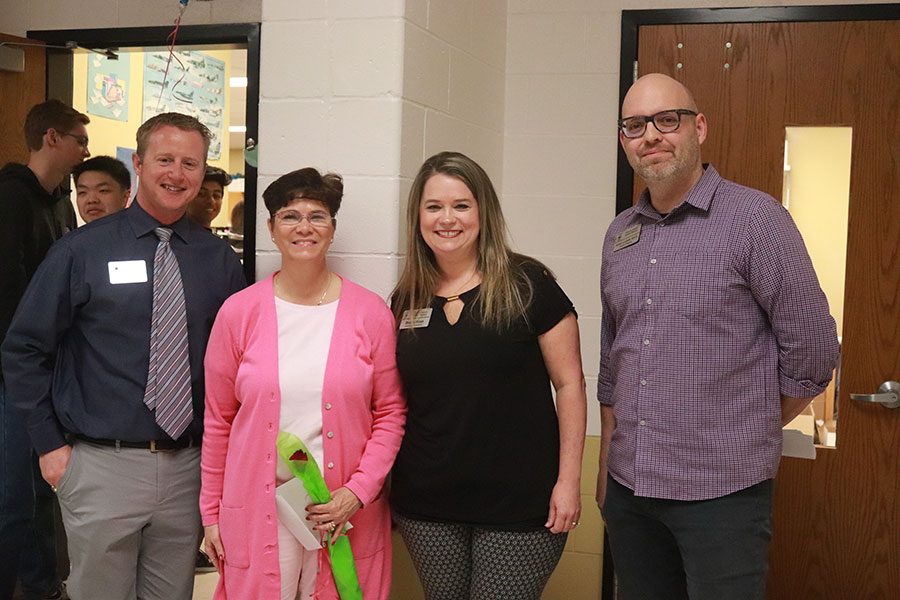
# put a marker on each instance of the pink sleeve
(388, 412)
(220, 366)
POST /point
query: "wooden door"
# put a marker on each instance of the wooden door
(837, 518)
(18, 93)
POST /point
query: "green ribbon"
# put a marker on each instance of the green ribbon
(303, 465)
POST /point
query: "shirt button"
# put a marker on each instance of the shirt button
(330, 434)
(649, 300)
(328, 406)
(646, 342)
(642, 422)
(652, 261)
(643, 382)
(331, 465)
(662, 224)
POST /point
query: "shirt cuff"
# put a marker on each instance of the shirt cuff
(358, 492)
(800, 388)
(46, 437)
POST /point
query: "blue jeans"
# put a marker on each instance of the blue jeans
(701, 550)
(28, 549)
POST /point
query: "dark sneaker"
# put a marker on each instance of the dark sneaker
(203, 564)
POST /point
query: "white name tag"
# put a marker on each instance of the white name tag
(127, 271)
(413, 319)
(628, 237)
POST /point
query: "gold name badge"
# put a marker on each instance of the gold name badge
(413, 319)
(628, 237)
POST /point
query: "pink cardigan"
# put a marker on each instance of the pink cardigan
(362, 403)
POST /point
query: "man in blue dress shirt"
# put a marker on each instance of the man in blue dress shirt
(109, 373)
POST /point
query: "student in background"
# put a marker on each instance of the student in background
(205, 207)
(34, 213)
(102, 187)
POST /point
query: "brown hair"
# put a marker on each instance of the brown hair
(305, 183)
(505, 290)
(171, 119)
(51, 114)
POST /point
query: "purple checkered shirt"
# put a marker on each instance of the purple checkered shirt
(707, 320)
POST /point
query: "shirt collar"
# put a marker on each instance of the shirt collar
(700, 195)
(142, 223)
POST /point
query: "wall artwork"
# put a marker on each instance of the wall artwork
(195, 85)
(108, 86)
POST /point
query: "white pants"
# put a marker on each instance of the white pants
(299, 567)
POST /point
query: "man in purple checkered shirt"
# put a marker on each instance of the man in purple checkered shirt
(715, 334)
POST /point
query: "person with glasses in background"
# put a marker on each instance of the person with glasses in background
(206, 206)
(34, 212)
(102, 187)
(715, 333)
(310, 353)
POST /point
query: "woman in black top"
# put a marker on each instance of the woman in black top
(486, 483)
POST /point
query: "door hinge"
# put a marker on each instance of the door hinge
(634, 72)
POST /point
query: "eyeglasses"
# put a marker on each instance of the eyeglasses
(82, 140)
(665, 121)
(292, 218)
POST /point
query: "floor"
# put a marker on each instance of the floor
(205, 585)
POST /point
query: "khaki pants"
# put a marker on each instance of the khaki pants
(133, 522)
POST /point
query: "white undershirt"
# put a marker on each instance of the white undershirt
(304, 338)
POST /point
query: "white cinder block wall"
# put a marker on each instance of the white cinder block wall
(453, 85)
(331, 79)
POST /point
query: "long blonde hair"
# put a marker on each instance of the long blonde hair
(505, 290)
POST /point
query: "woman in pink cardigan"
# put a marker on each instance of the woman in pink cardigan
(307, 352)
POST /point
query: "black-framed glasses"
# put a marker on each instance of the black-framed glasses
(665, 121)
(82, 140)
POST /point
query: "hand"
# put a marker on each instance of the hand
(565, 507)
(601, 490)
(212, 545)
(54, 463)
(333, 516)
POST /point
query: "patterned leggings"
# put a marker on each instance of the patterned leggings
(459, 562)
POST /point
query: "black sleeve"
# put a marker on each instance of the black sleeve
(549, 303)
(31, 344)
(15, 221)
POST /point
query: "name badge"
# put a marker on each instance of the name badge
(127, 271)
(628, 237)
(413, 319)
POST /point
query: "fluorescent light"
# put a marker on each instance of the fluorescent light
(237, 81)
(237, 129)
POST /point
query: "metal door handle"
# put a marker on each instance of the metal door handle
(888, 395)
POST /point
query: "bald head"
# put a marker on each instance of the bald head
(655, 92)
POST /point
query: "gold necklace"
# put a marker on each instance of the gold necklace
(325, 291)
(280, 288)
(462, 288)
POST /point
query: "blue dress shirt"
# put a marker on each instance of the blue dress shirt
(75, 358)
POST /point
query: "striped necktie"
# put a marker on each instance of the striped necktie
(169, 377)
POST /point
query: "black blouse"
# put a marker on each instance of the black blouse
(482, 438)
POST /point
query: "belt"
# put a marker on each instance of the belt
(153, 445)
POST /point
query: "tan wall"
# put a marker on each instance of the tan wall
(819, 202)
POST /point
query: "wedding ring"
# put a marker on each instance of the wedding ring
(331, 526)
(574, 523)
